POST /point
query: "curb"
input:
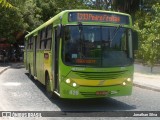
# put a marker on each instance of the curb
(11, 65)
(146, 87)
(4, 70)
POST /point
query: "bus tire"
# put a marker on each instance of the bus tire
(29, 70)
(47, 86)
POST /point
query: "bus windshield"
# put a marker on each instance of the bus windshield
(97, 46)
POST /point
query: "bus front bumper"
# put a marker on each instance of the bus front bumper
(81, 92)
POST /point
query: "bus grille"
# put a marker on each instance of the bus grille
(100, 75)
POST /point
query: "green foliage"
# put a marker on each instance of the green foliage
(148, 27)
(98, 4)
(48, 8)
(26, 16)
(128, 6)
(6, 4)
(31, 15)
(69, 4)
(10, 22)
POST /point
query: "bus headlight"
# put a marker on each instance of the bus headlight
(71, 82)
(129, 79)
(124, 83)
(74, 84)
(68, 81)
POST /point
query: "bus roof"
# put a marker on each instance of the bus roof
(86, 10)
(56, 17)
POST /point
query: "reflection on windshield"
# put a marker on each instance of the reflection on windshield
(95, 46)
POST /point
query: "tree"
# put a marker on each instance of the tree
(10, 21)
(31, 15)
(128, 6)
(25, 17)
(48, 8)
(148, 27)
(70, 4)
(6, 4)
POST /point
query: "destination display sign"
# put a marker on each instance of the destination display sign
(98, 17)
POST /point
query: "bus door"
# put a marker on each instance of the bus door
(55, 67)
(34, 56)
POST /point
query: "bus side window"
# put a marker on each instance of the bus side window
(48, 38)
(42, 39)
(43, 34)
(30, 43)
(49, 31)
(48, 44)
(38, 41)
(40, 34)
(45, 38)
(27, 43)
(42, 44)
(46, 32)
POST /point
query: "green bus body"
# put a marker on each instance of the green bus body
(84, 77)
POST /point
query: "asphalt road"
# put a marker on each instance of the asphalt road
(19, 93)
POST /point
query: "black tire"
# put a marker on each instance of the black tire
(47, 86)
(29, 70)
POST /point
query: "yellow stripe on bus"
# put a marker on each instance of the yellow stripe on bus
(99, 82)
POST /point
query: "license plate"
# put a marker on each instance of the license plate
(101, 93)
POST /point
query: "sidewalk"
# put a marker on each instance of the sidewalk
(142, 76)
(3, 67)
(145, 79)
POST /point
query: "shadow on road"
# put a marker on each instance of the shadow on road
(17, 65)
(85, 105)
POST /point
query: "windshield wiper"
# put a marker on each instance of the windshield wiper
(116, 31)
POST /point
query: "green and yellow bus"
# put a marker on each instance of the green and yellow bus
(83, 54)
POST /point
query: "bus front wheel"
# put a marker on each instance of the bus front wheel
(48, 86)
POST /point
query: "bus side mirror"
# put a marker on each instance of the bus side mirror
(59, 29)
(135, 40)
